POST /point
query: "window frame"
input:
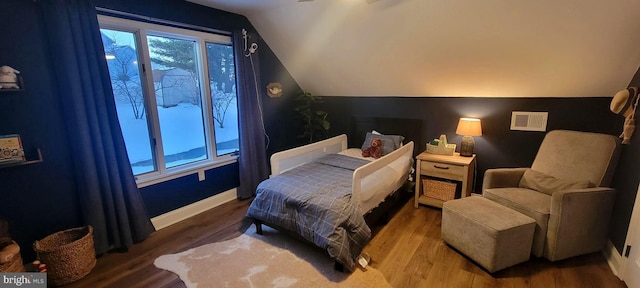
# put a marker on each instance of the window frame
(141, 30)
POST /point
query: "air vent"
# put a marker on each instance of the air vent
(529, 121)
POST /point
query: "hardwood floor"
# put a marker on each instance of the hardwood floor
(408, 251)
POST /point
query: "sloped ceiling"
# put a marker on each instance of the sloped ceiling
(542, 48)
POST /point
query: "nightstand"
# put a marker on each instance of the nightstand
(453, 167)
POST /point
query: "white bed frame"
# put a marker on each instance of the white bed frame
(289, 159)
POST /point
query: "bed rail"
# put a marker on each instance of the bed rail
(362, 172)
(288, 159)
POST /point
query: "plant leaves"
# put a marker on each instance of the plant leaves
(315, 123)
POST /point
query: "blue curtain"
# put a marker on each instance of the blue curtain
(252, 160)
(109, 198)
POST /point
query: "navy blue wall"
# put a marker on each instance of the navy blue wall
(37, 199)
(626, 182)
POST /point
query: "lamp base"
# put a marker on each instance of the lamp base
(466, 146)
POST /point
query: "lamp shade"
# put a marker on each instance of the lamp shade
(469, 127)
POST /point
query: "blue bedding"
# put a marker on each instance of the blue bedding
(314, 201)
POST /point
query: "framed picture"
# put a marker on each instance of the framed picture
(11, 149)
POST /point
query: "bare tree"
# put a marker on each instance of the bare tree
(221, 102)
(125, 78)
(222, 76)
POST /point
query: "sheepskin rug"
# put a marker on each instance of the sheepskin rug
(270, 260)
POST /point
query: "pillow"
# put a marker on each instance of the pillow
(400, 139)
(547, 184)
(389, 142)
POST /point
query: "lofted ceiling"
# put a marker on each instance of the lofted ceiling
(490, 48)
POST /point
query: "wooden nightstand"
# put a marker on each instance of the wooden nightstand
(454, 167)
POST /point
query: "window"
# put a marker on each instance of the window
(171, 123)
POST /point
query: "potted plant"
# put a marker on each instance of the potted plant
(315, 123)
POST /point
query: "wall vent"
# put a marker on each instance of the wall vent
(529, 121)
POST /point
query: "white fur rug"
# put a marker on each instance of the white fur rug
(272, 260)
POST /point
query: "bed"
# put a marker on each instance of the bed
(323, 191)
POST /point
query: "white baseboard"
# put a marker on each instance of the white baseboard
(175, 216)
(613, 258)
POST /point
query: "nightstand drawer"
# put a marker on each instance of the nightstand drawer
(442, 170)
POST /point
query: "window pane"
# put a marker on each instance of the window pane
(178, 99)
(122, 60)
(223, 97)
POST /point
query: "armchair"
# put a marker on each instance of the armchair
(565, 191)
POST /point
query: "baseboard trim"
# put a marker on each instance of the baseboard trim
(614, 259)
(175, 216)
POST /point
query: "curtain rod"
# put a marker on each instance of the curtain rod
(132, 16)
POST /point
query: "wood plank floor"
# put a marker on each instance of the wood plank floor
(408, 251)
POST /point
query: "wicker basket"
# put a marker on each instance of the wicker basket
(69, 254)
(441, 190)
(13, 263)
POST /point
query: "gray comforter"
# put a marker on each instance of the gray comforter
(314, 201)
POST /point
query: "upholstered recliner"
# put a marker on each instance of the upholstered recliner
(565, 191)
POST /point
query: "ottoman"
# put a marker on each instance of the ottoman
(493, 235)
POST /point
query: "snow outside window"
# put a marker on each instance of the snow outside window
(172, 124)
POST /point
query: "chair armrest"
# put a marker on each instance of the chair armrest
(502, 178)
(578, 221)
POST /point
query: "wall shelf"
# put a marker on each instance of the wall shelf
(27, 162)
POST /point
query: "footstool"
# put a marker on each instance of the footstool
(494, 236)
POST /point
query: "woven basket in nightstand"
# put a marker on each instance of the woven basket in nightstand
(441, 190)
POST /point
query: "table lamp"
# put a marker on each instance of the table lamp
(468, 127)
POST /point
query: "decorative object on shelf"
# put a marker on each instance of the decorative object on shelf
(624, 103)
(11, 149)
(36, 158)
(274, 89)
(468, 127)
(8, 78)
